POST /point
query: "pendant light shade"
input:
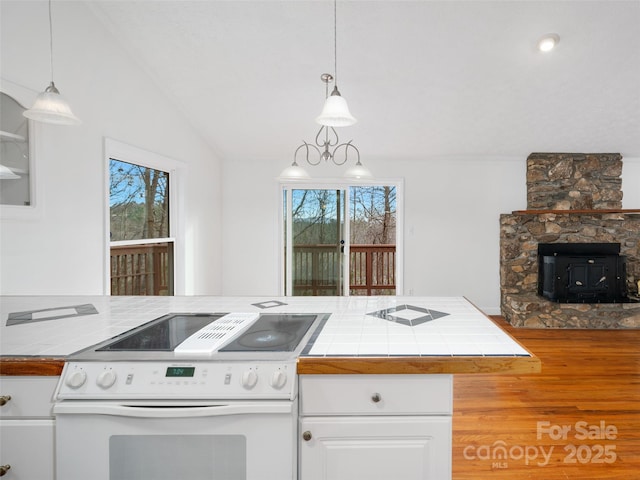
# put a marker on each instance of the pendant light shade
(51, 107)
(335, 112)
(358, 171)
(294, 172)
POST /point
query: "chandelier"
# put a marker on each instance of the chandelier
(327, 146)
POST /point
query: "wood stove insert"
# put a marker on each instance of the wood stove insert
(582, 272)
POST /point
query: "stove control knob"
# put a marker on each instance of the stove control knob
(249, 379)
(278, 379)
(76, 379)
(106, 379)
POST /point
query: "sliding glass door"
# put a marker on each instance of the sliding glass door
(340, 241)
(315, 247)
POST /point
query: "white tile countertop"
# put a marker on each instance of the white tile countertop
(56, 326)
(413, 326)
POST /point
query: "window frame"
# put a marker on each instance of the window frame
(286, 186)
(114, 149)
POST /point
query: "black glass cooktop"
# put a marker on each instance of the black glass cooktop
(271, 332)
(163, 334)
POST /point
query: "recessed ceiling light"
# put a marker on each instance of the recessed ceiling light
(548, 42)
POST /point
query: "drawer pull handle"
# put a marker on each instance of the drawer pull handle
(306, 436)
(4, 399)
(376, 397)
(4, 469)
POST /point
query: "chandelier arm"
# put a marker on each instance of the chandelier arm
(306, 146)
(328, 142)
(346, 146)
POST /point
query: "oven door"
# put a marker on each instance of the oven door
(159, 440)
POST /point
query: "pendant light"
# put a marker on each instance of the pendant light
(327, 145)
(358, 172)
(50, 106)
(294, 172)
(335, 112)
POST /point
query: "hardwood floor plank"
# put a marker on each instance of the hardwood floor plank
(577, 419)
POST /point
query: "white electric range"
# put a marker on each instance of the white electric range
(187, 395)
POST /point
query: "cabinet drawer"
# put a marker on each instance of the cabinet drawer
(376, 394)
(30, 396)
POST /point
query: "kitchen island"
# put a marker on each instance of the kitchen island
(384, 335)
(375, 376)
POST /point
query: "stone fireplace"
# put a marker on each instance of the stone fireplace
(572, 200)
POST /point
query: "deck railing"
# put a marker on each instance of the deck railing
(316, 269)
(148, 269)
(142, 269)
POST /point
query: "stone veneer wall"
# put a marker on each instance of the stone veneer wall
(574, 181)
(564, 182)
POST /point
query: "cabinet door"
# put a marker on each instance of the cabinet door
(375, 448)
(27, 446)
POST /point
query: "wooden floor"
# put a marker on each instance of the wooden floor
(578, 419)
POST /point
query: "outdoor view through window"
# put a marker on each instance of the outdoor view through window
(318, 241)
(141, 247)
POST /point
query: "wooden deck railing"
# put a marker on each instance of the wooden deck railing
(316, 270)
(372, 270)
(142, 269)
(148, 269)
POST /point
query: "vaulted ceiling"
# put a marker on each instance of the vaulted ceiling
(424, 78)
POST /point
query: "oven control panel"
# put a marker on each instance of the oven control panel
(177, 380)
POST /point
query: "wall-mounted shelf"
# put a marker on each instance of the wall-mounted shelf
(11, 136)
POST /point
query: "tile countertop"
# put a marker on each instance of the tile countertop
(383, 330)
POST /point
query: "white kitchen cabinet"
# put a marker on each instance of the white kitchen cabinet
(377, 427)
(27, 427)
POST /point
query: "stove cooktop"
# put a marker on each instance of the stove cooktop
(256, 362)
(269, 336)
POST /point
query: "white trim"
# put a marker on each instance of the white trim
(288, 273)
(346, 246)
(337, 184)
(145, 241)
(177, 173)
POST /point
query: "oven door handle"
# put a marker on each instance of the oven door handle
(178, 411)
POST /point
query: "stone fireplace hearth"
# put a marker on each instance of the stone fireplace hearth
(571, 198)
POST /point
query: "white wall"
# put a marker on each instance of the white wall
(451, 218)
(61, 250)
(451, 222)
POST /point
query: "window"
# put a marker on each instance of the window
(332, 234)
(141, 243)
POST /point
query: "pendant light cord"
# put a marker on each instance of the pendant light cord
(335, 42)
(50, 41)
